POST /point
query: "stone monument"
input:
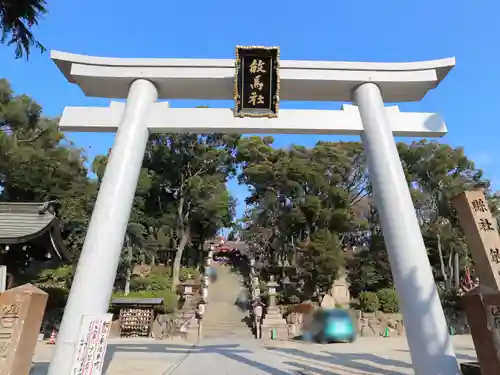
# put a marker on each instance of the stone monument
(21, 314)
(482, 304)
(340, 290)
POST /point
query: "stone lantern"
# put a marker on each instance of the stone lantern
(187, 288)
(255, 287)
(252, 267)
(204, 288)
(255, 282)
(200, 313)
(271, 291)
(204, 293)
(273, 325)
(256, 293)
(258, 312)
(201, 309)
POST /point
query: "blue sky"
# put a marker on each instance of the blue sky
(363, 30)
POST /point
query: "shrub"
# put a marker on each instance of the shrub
(388, 300)
(280, 298)
(354, 304)
(293, 300)
(450, 300)
(184, 273)
(263, 287)
(368, 302)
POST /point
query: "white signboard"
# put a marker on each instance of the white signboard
(3, 278)
(91, 345)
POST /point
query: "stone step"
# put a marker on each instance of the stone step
(225, 326)
(226, 334)
(223, 318)
(223, 322)
(215, 329)
(245, 334)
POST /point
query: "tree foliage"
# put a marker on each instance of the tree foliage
(17, 19)
(313, 208)
(181, 198)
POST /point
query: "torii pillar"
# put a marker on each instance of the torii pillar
(367, 85)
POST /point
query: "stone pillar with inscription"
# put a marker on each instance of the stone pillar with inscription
(21, 314)
(482, 305)
(481, 231)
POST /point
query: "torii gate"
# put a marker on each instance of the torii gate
(368, 85)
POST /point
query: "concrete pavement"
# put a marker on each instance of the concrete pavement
(372, 355)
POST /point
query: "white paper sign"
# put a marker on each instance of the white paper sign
(91, 345)
(3, 278)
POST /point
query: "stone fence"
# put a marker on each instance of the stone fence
(376, 324)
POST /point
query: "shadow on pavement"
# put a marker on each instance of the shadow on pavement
(39, 368)
(356, 361)
(460, 357)
(230, 351)
(348, 360)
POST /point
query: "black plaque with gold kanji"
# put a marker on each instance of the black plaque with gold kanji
(256, 82)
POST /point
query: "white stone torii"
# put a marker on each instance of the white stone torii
(143, 81)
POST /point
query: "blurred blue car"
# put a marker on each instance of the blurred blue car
(335, 325)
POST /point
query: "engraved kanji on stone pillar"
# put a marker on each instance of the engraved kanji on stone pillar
(21, 314)
(481, 232)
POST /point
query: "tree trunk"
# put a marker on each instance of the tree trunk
(456, 271)
(441, 260)
(196, 258)
(176, 266)
(129, 271)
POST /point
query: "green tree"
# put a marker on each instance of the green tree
(17, 19)
(437, 172)
(207, 219)
(300, 202)
(38, 164)
(188, 171)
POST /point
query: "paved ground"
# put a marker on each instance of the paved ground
(387, 356)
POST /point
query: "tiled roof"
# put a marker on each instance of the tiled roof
(237, 245)
(22, 222)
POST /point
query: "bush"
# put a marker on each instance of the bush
(388, 300)
(368, 302)
(280, 298)
(294, 300)
(158, 279)
(450, 300)
(185, 273)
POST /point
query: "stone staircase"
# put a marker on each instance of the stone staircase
(223, 318)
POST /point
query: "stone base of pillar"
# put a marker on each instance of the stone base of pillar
(274, 320)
